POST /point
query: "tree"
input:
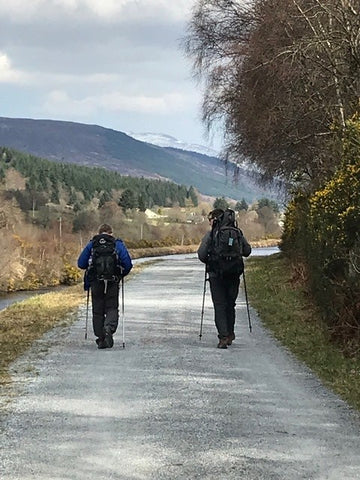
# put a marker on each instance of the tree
(44, 217)
(266, 202)
(221, 203)
(141, 203)
(127, 200)
(193, 197)
(104, 197)
(282, 76)
(269, 220)
(72, 196)
(85, 220)
(55, 194)
(2, 172)
(241, 205)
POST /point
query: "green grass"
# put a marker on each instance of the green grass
(287, 309)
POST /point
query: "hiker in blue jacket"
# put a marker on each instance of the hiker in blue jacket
(106, 261)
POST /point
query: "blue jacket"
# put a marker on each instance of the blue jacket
(121, 250)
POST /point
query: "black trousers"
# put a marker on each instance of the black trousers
(105, 307)
(224, 291)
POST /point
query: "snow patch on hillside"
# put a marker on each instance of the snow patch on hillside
(163, 140)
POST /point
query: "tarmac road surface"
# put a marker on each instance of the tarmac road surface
(170, 406)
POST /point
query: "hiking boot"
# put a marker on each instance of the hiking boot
(109, 341)
(230, 338)
(222, 343)
(100, 343)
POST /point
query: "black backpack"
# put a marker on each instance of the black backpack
(226, 248)
(104, 259)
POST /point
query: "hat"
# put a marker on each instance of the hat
(215, 213)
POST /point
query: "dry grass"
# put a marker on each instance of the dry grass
(24, 322)
(177, 249)
(158, 251)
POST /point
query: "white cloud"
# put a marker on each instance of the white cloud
(7, 73)
(20, 11)
(170, 103)
(33, 78)
(60, 102)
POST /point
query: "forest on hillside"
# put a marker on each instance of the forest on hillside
(283, 77)
(49, 181)
(50, 210)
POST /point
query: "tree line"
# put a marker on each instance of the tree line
(283, 79)
(49, 210)
(48, 181)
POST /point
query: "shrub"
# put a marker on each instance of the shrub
(323, 230)
(70, 275)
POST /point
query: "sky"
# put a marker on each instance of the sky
(113, 63)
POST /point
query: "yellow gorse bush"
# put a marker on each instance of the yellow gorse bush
(322, 230)
(334, 213)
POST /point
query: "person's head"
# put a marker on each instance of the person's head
(105, 228)
(214, 214)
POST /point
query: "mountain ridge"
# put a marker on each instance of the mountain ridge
(94, 145)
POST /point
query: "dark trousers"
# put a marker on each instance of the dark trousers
(105, 307)
(224, 291)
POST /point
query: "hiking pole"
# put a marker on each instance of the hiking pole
(87, 313)
(247, 302)
(203, 304)
(123, 311)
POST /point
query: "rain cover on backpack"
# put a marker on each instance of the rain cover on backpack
(104, 259)
(226, 249)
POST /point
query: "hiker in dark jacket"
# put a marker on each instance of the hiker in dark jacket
(105, 293)
(224, 288)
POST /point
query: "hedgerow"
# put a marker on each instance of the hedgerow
(322, 230)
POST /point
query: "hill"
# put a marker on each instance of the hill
(96, 146)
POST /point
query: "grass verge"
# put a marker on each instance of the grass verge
(24, 322)
(286, 308)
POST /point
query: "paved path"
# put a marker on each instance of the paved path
(169, 406)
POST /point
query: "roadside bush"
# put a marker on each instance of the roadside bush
(323, 230)
(70, 275)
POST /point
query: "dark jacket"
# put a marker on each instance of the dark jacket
(123, 256)
(205, 245)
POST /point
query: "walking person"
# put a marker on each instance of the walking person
(106, 261)
(222, 249)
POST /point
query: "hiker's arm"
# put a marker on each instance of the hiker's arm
(83, 260)
(246, 247)
(124, 257)
(203, 250)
